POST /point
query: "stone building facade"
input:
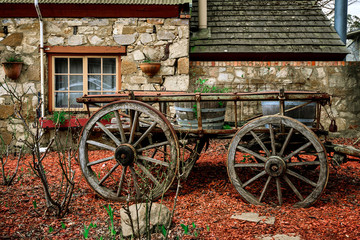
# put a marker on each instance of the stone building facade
(164, 40)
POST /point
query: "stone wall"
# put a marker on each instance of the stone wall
(163, 40)
(340, 79)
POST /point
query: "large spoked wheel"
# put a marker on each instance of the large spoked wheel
(274, 159)
(133, 158)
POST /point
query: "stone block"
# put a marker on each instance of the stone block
(138, 80)
(168, 62)
(138, 55)
(157, 80)
(183, 65)
(176, 22)
(26, 48)
(177, 83)
(74, 23)
(33, 72)
(165, 35)
(6, 136)
(125, 39)
(13, 40)
(179, 49)
(53, 40)
(226, 77)
(155, 21)
(6, 111)
(76, 40)
(95, 40)
(99, 22)
(154, 53)
(128, 67)
(144, 29)
(239, 73)
(146, 38)
(166, 71)
(128, 30)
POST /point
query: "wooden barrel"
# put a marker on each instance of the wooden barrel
(305, 114)
(212, 114)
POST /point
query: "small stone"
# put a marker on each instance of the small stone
(6, 111)
(165, 35)
(138, 55)
(179, 49)
(138, 80)
(146, 38)
(157, 80)
(6, 136)
(144, 29)
(254, 217)
(99, 22)
(95, 40)
(155, 21)
(128, 30)
(128, 66)
(167, 71)
(176, 83)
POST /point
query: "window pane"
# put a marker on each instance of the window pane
(61, 83)
(61, 100)
(94, 65)
(109, 65)
(76, 65)
(61, 65)
(76, 83)
(94, 82)
(73, 103)
(109, 83)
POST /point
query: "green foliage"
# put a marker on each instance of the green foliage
(226, 126)
(59, 117)
(51, 229)
(34, 204)
(63, 226)
(14, 59)
(87, 230)
(108, 116)
(163, 230)
(203, 88)
(111, 215)
(185, 228)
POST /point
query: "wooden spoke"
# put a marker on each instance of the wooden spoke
(248, 151)
(260, 143)
(279, 192)
(133, 126)
(121, 180)
(241, 165)
(136, 185)
(146, 133)
(287, 140)
(254, 178)
(272, 137)
(100, 161)
(292, 164)
(148, 173)
(153, 146)
(265, 188)
(153, 160)
(109, 133)
(101, 145)
(291, 185)
(120, 127)
(109, 173)
(304, 179)
(303, 147)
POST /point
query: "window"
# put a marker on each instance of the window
(76, 76)
(75, 71)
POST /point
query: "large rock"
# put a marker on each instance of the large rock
(53, 40)
(125, 39)
(13, 40)
(128, 66)
(177, 83)
(159, 215)
(76, 40)
(179, 49)
(6, 111)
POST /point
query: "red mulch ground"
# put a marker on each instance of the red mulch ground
(207, 198)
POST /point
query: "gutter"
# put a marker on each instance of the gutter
(341, 10)
(36, 3)
(202, 14)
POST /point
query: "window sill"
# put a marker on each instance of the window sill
(72, 123)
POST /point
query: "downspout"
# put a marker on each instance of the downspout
(341, 8)
(36, 2)
(202, 14)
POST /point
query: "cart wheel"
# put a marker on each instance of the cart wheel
(274, 159)
(138, 157)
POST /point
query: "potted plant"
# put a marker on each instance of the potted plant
(150, 68)
(212, 112)
(12, 67)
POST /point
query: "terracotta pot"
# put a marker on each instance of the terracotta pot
(150, 69)
(12, 69)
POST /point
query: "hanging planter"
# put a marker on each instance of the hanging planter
(150, 68)
(12, 67)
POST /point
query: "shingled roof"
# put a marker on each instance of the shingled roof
(265, 30)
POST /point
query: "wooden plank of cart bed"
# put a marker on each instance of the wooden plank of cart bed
(182, 96)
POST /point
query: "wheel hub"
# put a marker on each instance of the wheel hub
(125, 154)
(275, 166)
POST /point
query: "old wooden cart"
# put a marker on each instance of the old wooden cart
(271, 159)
